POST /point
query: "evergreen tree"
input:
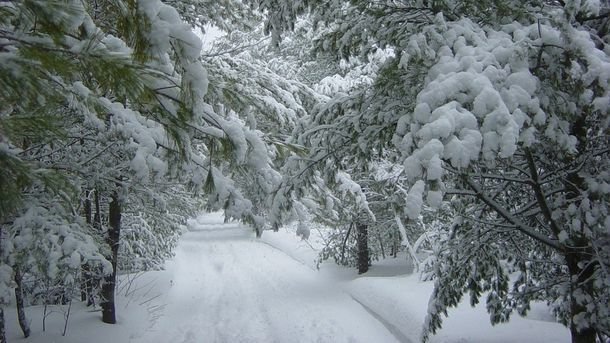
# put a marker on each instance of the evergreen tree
(504, 107)
(103, 106)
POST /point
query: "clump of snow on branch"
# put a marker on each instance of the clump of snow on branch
(347, 185)
(479, 100)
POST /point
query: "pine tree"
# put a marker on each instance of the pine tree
(106, 103)
(61, 78)
(494, 104)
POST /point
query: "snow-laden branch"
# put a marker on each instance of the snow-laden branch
(405, 241)
(546, 211)
(236, 49)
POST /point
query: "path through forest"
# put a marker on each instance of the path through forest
(226, 286)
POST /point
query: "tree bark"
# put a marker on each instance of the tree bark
(363, 247)
(88, 281)
(97, 218)
(380, 239)
(93, 279)
(87, 208)
(580, 252)
(23, 321)
(584, 277)
(2, 329)
(112, 238)
(586, 336)
(2, 324)
(86, 288)
(349, 230)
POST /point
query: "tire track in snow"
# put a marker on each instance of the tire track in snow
(395, 331)
(391, 327)
(231, 288)
(286, 254)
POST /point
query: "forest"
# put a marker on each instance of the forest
(474, 130)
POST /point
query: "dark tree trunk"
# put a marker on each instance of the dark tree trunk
(395, 244)
(380, 239)
(114, 231)
(94, 279)
(363, 247)
(87, 275)
(343, 246)
(87, 208)
(86, 289)
(585, 336)
(575, 259)
(580, 253)
(2, 329)
(23, 322)
(97, 218)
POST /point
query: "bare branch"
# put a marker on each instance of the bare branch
(509, 217)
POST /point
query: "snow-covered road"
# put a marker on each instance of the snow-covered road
(227, 286)
(224, 285)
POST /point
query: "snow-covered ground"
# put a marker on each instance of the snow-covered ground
(224, 285)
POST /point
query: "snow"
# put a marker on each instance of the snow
(6, 279)
(435, 168)
(403, 300)
(434, 198)
(347, 185)
(224, 285)
(414, 200)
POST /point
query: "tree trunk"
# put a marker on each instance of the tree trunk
(114, 230)
(363, 247)
(87, 208)
(583, 284)
(83, 273)
(393, 246)
(2, 329)
(585, 336)
(23, 322)
(380, 239)
(87, 285)
(97, 218)
(86, 288)
(349, 230)
(580, 253)
(94, 279)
